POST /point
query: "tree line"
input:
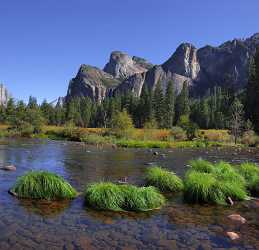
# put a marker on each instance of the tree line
(153, 109)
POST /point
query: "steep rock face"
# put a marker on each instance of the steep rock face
(4, 95)
(226, 65)
(158, 74)
(132, 84)
(92, 82)
(121, 65)
(184, 61)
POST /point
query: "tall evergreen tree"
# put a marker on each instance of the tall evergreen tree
(158, 104)
(169, 105)
(236, 123)
(252, 98)
(32, 103)
(144, 109)
(182, 102)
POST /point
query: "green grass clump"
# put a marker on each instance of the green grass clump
(109, 196)
(226, 173)
(202, 188)
(141, 198)
(213, 183)
(201, 165)
(250, 172)
(43, 185)
(105, 196)
(164, 180)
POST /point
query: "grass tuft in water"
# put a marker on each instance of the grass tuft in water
(213, 183)
(201, 165)
(163, 179)
(250, 172)
(109, 196)
(105, 196)
(43, 185)
(202, 188)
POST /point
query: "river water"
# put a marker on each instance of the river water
(26, 224)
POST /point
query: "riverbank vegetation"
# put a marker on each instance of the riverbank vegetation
(43, 185)
(109, 196)
(163, 179)
(163, 116)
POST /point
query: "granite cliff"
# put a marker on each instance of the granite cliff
(226, 65)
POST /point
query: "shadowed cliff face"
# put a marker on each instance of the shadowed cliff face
(226, 66)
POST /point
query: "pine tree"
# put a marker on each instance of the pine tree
(169, 104)
(182, 102)
(32, 104)
(237, 122)
(252, 98)
(144, 108)
(158, 104)
(85, 110)
(10, 110)
(73, 112)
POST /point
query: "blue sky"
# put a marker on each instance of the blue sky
(43, 42)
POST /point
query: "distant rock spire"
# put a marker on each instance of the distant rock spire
(4, 95)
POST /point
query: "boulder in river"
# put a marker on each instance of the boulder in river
(9, 168)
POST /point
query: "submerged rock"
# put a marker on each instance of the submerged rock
(237, 218)
(233, 235)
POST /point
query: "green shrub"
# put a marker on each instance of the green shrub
(249, 138)
(43, 185)
(164, 180)
(109, 196)
(26, 129)
(179, 134)
(122, 124)
(71, 132)
(94, 139)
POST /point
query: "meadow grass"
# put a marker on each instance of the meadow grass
(163, 179)
(109, 196)
(213, 183)
(43, 185)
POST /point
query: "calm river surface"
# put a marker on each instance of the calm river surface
(42, 225)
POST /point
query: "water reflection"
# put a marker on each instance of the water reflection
(47, 209)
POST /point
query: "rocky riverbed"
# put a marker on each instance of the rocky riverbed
(29, 224)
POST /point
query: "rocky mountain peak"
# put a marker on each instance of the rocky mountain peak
(225, 65)
(121, 65)
(4, 95)
(183, 61)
